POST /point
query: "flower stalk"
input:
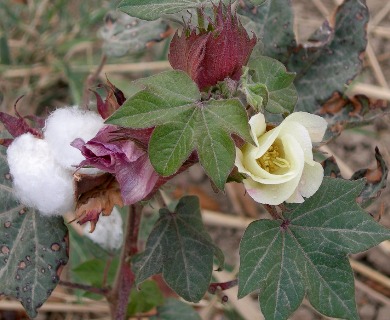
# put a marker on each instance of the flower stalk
(119, 297)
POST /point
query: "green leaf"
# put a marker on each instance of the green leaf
(185, 124)
(334, 59)
(181, 249)
(33, 248)
(84, 249)
(154, 9)
(124, 34)
(147, 223)
(307, 253)
(75, 83)
(92, 271)
(144, 299)
(256, 93)
(258, 2)
(273, 23)
(174, 309)
(5, 56)
(281, 95)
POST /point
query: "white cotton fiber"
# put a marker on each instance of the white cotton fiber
(39, 181)
(65, 125)
(108, 233)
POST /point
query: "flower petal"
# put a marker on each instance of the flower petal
(315, 125)
(258, 126)
(136, 179)
(302, 136)
(311, 180)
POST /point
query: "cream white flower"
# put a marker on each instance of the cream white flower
(281, 167)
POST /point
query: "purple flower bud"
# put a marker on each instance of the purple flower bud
(113, 150)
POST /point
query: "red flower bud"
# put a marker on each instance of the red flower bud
(213, 54)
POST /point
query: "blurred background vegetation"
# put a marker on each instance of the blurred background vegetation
(49, 48)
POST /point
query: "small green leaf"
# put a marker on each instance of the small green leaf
(256, 93)
(181, 249)
(154, 9)
(273, 23)
(33, 248)
(307, 252)
(144, 298)
(334, 59)
(281, 94)
(185, 124)
(174, 309)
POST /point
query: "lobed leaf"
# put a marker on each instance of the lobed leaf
(33, 248)
(154, 9)
(333, 59)
(181, 249)
(184, 124)
(273, 23)
(123, 34)
(307, 253)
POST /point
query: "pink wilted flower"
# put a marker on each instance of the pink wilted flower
(214, 53)
(113, 150)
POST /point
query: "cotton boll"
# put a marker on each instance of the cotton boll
(39, 181)
(108, 233)
(65, 125)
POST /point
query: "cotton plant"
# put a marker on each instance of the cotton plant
(248, 104)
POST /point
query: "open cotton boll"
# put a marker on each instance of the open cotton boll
(108, 232)
(64, 126)
(39, 181)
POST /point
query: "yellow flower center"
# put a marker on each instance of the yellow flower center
(273, 158)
